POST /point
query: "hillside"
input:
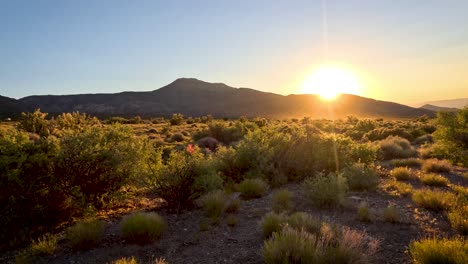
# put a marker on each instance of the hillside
(193, 97)
(454, 103)
(10, 107)
(438, 108)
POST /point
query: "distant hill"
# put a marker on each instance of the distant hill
(193, 97)
(454, 103)
(438, 108)
(10, 108)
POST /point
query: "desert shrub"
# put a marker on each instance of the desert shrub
(35, 122)
(143, 228)
(214, 203)
(325, 191)
(85, 234)
(458, 218)
(444, 250)
(451, 136)
(364, 212)
(401, 173)
(272, 223)
(75, 121)
(304, 221)
(434, 200)
(44, 246)
(253, 188)
(400, 188)
(395, 148)
(465, 176)
(435, 165)
(131, 260)
(206, 181)
(411, 162)
(177, 137)
(282, 200)
(384, 132)
(176, 119)
(360, 177)
(224, 132)
(290, 246)
(391, 214)
(432, 179)
(423, 139)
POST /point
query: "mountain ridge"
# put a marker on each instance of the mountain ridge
(193, 97)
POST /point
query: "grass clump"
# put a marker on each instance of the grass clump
(325, 191)
(272, 223)
(434, 250)
(400, 188)
(214, 203)
(85, 234)
(253, 188)
(364, 212)
(458, 218)
(131, 260)
(433, 200)
(411, 162)
(142, 228)
(401, 173)
(360, 177)
(394, 147)
(432, 179)
(391, 214)
(301, 220)
(435, 165)
(290, 246)
(44, 246)
(282, 201)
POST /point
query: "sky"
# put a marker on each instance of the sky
(406, 51)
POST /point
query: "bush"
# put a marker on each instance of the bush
(35, 122)
(177, 137)
(435, 165)
(434, 200)
(282, 200)
(458, 218)
(304, 221)
(434, 180)
(290, 246)
(214, 204)
(434, 250)
(325, 191)
(395, 148)
(253, 188)
(401, 173)
(399, 187)
(142, 228)
(391, 214)
(131, 260)
(176, 119)
(44, 246)
(272, 223)
(360, 177)
(364, 212)
(411, 162)
(85, 234)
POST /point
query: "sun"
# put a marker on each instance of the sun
(329, 81)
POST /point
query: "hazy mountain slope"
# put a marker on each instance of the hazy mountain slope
(454, 103)
(193, 97)
(438, 108)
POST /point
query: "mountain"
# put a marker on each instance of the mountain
(193, 97)
(454, 103)
(439, 108)
(10, 108)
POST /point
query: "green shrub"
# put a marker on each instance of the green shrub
(458, 218)
(142, 228)
(384, 132)
(272, 223)
(434, 250)
(214, 204)
(176, 119)
(282, 200)
(411, 162)
(253, 188)
(364, 212)
(325, 191)
(44, 246)
(401, 188)
(434, 180)
(304, 221)
(434, 200)
(290, 246)
(435, 165)
(391, 214)
(395, 148)
(35, 122)
(401, 173)
(360, 177)
(85, 234)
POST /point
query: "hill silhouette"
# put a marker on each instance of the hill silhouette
(439, 108)
(10, 108)
(193, 97)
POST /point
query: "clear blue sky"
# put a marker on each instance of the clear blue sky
(409, 50)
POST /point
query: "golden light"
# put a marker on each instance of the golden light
(329, 81)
